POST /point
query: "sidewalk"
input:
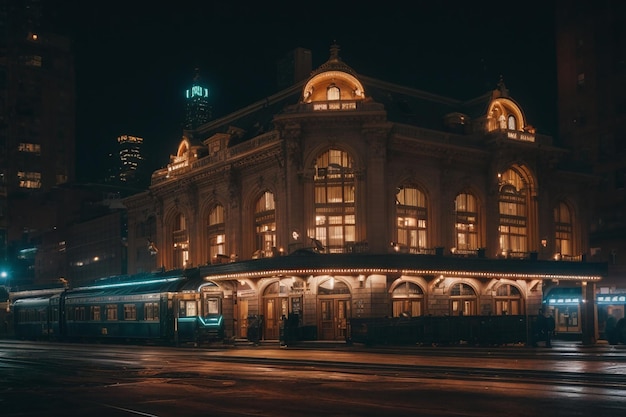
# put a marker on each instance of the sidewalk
(558, 345)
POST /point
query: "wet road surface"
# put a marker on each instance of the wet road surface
(40, 379)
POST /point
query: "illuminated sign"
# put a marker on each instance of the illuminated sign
(197, 91)
(611, 299)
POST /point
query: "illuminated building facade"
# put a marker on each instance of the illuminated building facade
(591, 72)
(344, 196)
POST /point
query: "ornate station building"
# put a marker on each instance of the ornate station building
(344, 196)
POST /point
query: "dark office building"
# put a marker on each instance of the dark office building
(37, 126)
(591, 70)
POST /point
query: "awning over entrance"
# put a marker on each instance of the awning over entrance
(564, 296)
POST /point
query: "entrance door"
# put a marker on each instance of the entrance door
(334, 316)
(275, 308)
(243, 318)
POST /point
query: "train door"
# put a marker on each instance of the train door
(334, 314)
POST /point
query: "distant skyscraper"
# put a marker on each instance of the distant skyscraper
(198, 107)
(127, 164)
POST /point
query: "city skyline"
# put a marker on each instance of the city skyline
(133, 67)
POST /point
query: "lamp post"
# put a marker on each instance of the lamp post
(4, 285)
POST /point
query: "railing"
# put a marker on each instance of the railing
(449, 330)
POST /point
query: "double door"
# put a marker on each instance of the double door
(334, 314)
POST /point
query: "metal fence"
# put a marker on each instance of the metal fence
(444, 330)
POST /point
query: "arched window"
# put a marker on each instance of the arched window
(408, 300)
(180, 239)
(265, 222)
(466, 223)
(512, 122)
(513, 214)
(335, 223)
(508, 300)
(216, 233)
(411, 219)
(333, 92)
(333, 287)
(563, 228)
(462, 300)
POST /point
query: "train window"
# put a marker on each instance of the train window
(130, 312)
(111, 312)
(79, 313)
(187, 309)
(95, 313)
(212, 306)
(151, 311)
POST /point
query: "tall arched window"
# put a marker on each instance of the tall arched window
(265, 223)
(563, 228)
(180, 239)
(466, 223)
(408, 300)
(216, 233)
(463, 300)
(411, 219)
(508, 300)
(513, 214)
(333, 92)
(335, 223)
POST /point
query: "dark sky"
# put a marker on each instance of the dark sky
(134, 59)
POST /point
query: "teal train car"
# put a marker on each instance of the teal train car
(166, 307)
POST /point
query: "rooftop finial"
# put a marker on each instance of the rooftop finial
(334, 51)
(504, 92)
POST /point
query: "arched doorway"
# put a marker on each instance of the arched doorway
(407, 300)
(508, 300)
(275, 305)
(463, 300)
(334, 301)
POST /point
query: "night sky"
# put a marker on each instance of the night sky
(133, 62)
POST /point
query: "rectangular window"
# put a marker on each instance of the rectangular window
(151, 311)
(213, 306)
(95, 313)
(130, 312)
(79, 313)
(111, 312)
(320, 194)
(29, 179)
(29, 147)
(187, 309)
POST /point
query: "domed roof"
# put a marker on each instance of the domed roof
(333, 80)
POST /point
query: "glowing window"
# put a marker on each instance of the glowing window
(411, 219)
(513, 213)
(512, 122)
(333, 93)
(265, 223)
(563, 228)
(466, 213)
(216, 232)
(335, 201)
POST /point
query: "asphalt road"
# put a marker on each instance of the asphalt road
(43, 379)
